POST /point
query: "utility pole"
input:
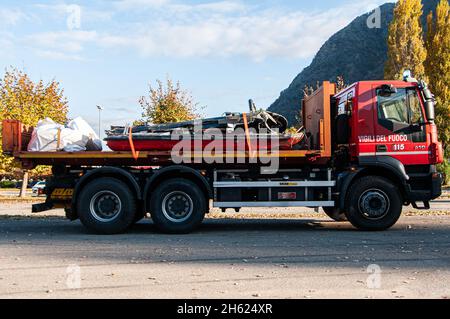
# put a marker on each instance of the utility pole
(100, 109)
(23, 188)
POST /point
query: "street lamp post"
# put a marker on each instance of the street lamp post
(100, 109)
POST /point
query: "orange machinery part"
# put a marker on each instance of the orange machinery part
(317, 118)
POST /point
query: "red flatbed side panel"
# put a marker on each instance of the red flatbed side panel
(15, 136)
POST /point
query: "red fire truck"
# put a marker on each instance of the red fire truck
(372, 149)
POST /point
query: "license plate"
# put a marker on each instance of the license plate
(286, 196)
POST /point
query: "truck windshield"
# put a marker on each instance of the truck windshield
(400, 109)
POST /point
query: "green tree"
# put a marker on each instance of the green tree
(438, 71)
(168, 104)
(406, 49)
(24, 100)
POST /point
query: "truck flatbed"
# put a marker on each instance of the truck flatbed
(154, 158)
(316, 112)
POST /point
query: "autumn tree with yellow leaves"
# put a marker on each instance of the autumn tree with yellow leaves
(438, 70)
(406, 48)
(168, 103)
(27, 101)
(438, 65)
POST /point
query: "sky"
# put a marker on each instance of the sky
(107, 52)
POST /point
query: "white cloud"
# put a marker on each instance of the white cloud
(6, 44)
(70, 41)
(63, 45)
(221, 28)
(62, 11)
(10, 17)
(215, 7)
(256, 34)
(171, 7)
(139, 4)
(58, 55)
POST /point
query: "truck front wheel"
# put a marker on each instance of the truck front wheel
(106, 206)
(373, 203)
(177, 206)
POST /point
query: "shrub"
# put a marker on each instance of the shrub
(7, 184)
(444, 168)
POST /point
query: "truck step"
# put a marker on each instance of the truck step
(426, 206)
(274, 204)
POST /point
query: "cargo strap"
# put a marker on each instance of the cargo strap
(247, 134)
(58, 139)
(130, 140)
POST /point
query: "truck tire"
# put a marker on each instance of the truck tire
(177, 206)
(373, 203)
(335, 214)
(106, 206)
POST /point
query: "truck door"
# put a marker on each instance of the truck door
(400, 128)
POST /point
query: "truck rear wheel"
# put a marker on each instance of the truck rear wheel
(106, 206)
(335, 214)
(178, 206)
(373, 203)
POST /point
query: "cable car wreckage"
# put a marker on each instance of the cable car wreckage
(265, 130)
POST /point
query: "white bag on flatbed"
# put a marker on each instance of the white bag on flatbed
(78, 136)
(93, 142)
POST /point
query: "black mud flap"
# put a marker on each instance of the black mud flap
(43, 207)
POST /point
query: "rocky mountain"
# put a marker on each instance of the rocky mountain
(355, 52)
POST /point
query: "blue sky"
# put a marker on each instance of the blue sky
(224, 52)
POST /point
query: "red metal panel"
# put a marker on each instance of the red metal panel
(15, 136)
(11, 136)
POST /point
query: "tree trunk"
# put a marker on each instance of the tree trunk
(23, 189)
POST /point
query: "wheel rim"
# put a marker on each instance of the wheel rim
(105, 206)
(374, 204)
(177, 206)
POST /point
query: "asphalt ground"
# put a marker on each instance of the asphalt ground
(283, 253)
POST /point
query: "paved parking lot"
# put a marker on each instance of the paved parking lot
(291, 256)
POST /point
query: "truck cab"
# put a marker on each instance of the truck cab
(389, 126)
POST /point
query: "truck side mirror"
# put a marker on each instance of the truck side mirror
(429, 102)
(429, 110)
(415, 128)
